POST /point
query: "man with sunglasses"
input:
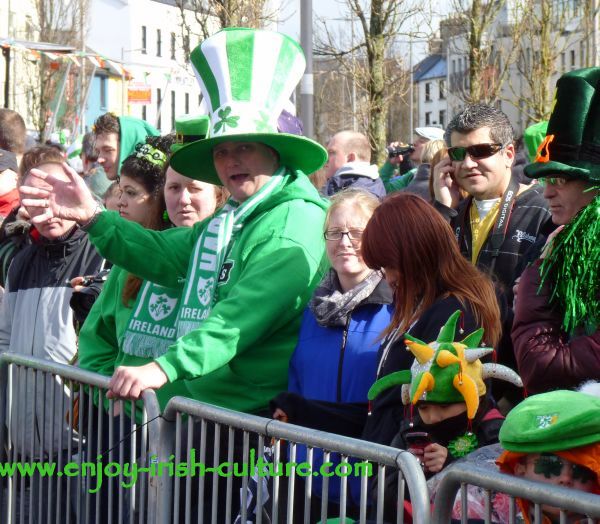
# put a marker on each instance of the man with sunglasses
(556, 333)
(500, 219)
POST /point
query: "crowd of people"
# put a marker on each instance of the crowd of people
(333, 304)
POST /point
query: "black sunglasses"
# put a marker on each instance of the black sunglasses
(477, 151)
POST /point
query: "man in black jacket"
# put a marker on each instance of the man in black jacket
(500, 219)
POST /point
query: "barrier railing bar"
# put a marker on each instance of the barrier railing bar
(565, 498)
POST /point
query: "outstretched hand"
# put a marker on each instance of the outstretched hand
(67, 197)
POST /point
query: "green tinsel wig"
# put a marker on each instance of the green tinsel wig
(572, 267)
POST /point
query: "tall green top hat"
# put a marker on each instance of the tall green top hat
(571, 148)
(246, 76)
(188, 129)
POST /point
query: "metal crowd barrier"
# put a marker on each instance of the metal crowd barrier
(197, 425)
(47, 415)
(460, 476)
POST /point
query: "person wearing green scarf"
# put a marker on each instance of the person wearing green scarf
(556, 333)
(246, 274)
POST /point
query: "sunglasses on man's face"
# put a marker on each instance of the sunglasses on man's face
(476, 151)
(557, 181)
(552, 465)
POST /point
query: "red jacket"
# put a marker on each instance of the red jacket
(547, 357)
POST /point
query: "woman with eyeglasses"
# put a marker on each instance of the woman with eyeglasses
(335, 359)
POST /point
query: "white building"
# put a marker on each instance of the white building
(145, 36)
(429, 77)
(568, 47)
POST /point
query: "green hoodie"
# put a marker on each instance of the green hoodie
(239, 356)
(101, 336)
(133, 131)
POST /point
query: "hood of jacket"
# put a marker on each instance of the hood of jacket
(358, 168)
(133, 131)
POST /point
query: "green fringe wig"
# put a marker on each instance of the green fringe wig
(572, 267)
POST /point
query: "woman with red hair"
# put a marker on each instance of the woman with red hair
(418, 252)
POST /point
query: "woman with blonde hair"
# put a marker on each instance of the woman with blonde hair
(419, 185)
(335, 359)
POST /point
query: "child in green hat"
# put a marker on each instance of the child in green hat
(446, 384)
(554, 438)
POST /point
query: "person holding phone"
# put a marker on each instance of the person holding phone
(500, 220)
(446, 384)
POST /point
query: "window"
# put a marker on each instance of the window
(173, 45)
(187, 103)
(442, 118)
(158, 43)
(158, 104)
(428, 92)
(144, 113)
(172, 109)
(563, 61)
(428, 118)
(442, 90)
(454, 67)
(572, 58)
(143, 40)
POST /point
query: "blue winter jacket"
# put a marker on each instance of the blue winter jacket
(339, 365)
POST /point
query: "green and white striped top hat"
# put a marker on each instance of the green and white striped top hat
(246, 77)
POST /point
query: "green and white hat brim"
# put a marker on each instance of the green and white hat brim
(296, 152)
(246, 77)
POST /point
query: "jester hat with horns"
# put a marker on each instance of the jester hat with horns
(445, 371)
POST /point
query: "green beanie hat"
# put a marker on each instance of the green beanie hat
(554, 421)
(571, 148)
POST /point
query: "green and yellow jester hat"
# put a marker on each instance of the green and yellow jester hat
(446, 371)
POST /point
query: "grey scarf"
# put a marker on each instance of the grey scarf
(332, 307)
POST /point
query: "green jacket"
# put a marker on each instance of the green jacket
(239, 356)
(101, 335)
(393, 182)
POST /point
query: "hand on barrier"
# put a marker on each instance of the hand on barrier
(129, 382)
(281, 415)
(65, 197)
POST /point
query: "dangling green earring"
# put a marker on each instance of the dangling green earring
(165, 216)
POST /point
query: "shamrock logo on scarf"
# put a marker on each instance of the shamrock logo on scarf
(160, 306)
(226, 120)
(205, 289)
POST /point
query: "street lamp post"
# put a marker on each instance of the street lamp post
(307, 86)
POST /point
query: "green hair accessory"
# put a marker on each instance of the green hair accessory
(572, 267)
(151, 154)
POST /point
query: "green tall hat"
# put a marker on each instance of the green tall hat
(246, 77)
(188, 129)
(571, 148)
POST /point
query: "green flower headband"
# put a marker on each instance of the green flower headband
(151, 154)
